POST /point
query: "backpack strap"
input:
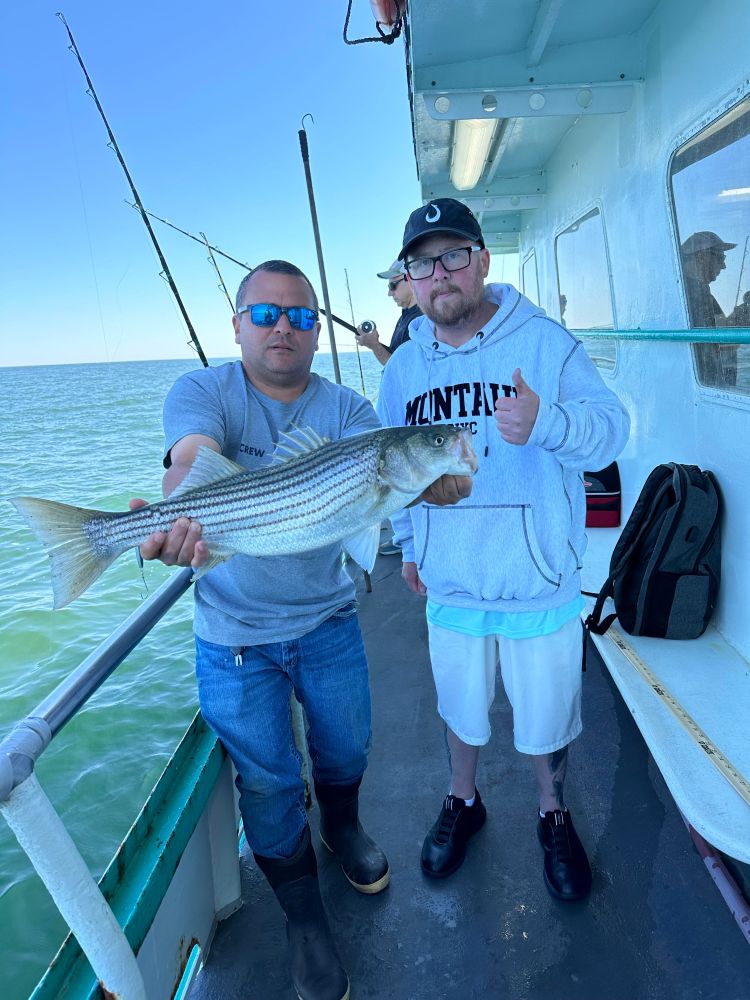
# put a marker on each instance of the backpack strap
(594, 623)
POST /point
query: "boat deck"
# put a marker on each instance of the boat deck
(654, 927)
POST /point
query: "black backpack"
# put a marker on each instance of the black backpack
(665, 569)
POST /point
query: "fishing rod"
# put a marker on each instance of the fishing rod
(742, 268)
(222, 286)
(319, 249)
(192, 236)
(223, 253)
(356, 339)
(138, 204)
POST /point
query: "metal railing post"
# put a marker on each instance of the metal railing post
(50, 848)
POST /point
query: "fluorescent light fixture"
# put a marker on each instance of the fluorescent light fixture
(472, 139)
(734, 193)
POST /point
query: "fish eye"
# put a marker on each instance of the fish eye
(438, 440)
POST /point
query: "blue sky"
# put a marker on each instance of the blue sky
(205, 102)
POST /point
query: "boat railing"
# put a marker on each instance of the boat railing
(720, 335)
(71, 694)
(36, 824)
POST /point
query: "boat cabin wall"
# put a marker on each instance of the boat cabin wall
(696, 68)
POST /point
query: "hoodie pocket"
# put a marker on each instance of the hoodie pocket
(490, 553)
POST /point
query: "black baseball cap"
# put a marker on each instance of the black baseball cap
(443, 215)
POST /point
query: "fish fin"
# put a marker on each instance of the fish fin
(298, 441)
(216, 555)
(208, 466)
(363, 546)
(59, 527)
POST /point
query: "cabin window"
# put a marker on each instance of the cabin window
(530, 279)
(584, 285)
(504, 268)
(710, 181)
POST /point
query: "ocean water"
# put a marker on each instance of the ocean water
(89, 435)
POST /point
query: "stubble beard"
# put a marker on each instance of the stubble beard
(457, 312)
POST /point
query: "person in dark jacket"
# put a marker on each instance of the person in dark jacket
(400, 291)
(703, 260)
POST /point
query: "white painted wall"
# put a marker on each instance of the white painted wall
(697, 66)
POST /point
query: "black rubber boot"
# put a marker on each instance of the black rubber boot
(314, 963)
(361, 860)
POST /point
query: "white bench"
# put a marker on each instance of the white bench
(711, 681)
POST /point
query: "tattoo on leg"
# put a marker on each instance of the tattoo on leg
(558, 763)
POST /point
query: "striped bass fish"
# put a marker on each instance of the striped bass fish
(314, 493)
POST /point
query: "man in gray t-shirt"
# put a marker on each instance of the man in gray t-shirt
(265, 627)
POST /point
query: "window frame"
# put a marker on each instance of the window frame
(710, 116)
(524, 262)
(595, 205)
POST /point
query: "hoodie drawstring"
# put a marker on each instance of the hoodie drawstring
(435, 348)
(480, 341)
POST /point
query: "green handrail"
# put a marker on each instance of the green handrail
(721, 335)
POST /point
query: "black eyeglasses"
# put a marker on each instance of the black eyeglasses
(268, 313)
(393, 285)
(452, 260)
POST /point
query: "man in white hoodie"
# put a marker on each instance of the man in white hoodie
(501, 567)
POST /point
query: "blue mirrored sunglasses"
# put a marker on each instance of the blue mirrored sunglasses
(268, 314)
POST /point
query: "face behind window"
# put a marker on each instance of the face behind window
(711, 203)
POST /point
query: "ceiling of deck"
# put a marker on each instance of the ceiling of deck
(542, 64)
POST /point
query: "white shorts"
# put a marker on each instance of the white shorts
(541, 676)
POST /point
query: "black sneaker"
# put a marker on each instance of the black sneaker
(567, 873)
(444, 847)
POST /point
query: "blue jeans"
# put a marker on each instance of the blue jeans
(244, 698)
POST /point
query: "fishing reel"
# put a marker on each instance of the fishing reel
(367, 326)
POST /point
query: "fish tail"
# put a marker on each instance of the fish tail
(75, 564)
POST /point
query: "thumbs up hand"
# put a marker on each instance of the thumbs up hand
(515, 415)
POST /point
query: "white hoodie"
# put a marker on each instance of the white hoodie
(517, 542)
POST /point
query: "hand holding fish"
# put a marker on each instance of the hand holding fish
(515, 416)
(447, 490)
(180, 546)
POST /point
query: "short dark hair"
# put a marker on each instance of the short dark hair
(275, 267)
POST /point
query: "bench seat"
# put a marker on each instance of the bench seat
(711, 681)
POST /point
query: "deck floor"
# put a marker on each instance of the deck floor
(654, 927)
